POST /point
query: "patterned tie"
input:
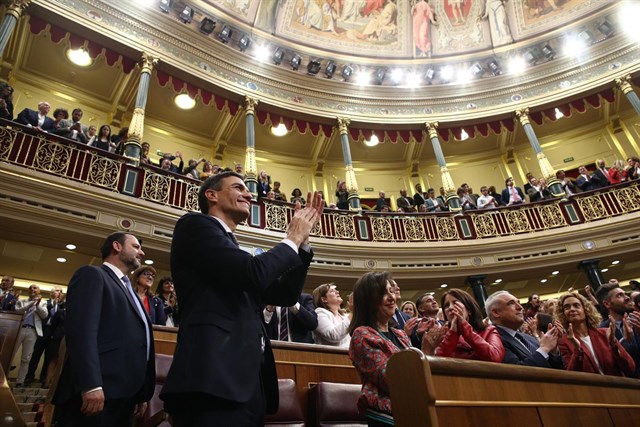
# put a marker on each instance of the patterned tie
(284, 327)
(141, 313)
(514, 195)
(528, 345)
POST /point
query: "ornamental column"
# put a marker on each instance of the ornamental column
(449, 187)
(350, 178)
(554, 185)
(479, 291)
(250, 166)
(132, 147)
(14, 11)
(624, 85)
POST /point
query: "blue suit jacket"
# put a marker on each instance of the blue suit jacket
(300, 324)
(106, 340)
(30, 117)
(516, 354)
(221, 289)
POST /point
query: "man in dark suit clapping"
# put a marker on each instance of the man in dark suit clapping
(37, 119)
(293, 323)
(109, 373)
(223, 370)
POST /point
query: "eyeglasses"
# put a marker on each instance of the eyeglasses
(148, 274)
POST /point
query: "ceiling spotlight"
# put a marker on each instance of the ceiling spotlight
(517, 65)
(79, 57)
(429, 75)
(184, 101)
(444, 285)
(148, 261)
(278, 56)
(207, 25)
(446, 73)
(606, 29)
(244, 42)
(330, 70)
(379, 75)
(463, 135)
(313, 67)
(396, 75)
(295, 62)
(604, 270)
(559, 114)
(530, 57)
(61, 259)
(497, 281)
(548, 52)
(186, 15)
(280, 130)
(225, 35)
(373, 141)
(476, 70)
(586, 37)
(347, 71)
(616, 262)
(555, 273)
(165, 5)
(494, 67)
(71, 246)
(412, 80)
(543, 281)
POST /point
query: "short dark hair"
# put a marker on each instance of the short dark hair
(635, 285)
(214, 182)
(367, 294)
(62, 111)
(107, 246)
(76, 110)
(473, 309)
(507, 180)
(602, 294)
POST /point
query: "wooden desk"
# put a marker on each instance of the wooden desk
(10, 323)
(432, 392)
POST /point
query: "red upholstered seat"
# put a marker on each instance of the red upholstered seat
(336, 405)
(289, 412)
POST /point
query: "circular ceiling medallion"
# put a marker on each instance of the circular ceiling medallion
(126, 223)
(252, 85)
(371, 263)
(565, 84)
(517, 97)
(477, 261)
(95, 15)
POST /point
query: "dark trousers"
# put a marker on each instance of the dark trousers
(41, 347)
(196, 409)
(116, 413)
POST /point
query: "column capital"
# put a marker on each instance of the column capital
(343, 125)
(432, 128)
(148, 61)
(523, 115)
(16, 7)
(250, 105)
(623, 83)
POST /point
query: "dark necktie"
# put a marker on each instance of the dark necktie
(233, 237)
(139, 308)
(528, 344)
(284, 327)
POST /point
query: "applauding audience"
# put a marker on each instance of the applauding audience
(333, 323)
(167, 294)
(142, 280)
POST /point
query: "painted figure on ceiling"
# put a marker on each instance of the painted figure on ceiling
(422, 20)
(498, 23)
(457, 10)
(383, 24)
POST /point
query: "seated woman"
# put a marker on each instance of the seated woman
(585, 347)
(167, 294)
(373, 342)
(142, 280)
(465, 335)
(333, 323)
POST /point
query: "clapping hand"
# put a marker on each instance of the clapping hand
(572, 338)
(611, 332)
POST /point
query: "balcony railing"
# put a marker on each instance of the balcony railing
(64, 158)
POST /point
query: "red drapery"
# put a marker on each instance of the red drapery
(207, 97)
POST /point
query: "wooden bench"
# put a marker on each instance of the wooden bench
(432, 392)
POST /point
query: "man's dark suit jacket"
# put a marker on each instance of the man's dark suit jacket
(221, 289)
(9, 302)
(300, 324)
(30, 117)
(64, 129)
(506, 194)
(516, 354)
(602, 178)
(106, 340)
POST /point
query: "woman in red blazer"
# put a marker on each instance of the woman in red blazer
(373, 342)
(465, 334)
(585, 347)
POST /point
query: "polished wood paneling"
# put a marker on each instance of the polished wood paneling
(10, 323)
(473, 416)
(10, 414)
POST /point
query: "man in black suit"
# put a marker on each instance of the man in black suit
(296, 324)
(587, 181)
(109, 373)
(37, 119)
(506, 313)
(602, 173)
(7, 298)
(223, 370)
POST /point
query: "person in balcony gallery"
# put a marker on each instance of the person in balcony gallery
(342, 195)
(6, 101)
(103, 139)
(585, 347)
(37, 119)
(73, 129)
(512, 195)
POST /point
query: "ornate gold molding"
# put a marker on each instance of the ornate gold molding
(343, 125)
(250, 105)
(350, 179)
(250, 165)
(624, 84)
(16, 7)
(523, 115)
(432, 128)
(147, 62)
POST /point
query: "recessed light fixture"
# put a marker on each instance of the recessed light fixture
(280, 130)
(616, 262)
(555, 272)
(604, 270)
(444, 285)
(79, 57)
(71, 246)
(61, 259)
(543, 281)
(148, 261)
(497, 281)
(373, 141)
(184, 101)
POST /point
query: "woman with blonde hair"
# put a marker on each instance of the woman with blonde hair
(587, 348)
(333, 323)
(616, 173)
(410, 308)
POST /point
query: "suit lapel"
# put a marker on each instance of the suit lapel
(118, 283)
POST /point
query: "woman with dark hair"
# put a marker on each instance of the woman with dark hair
(103, 139)
(119, 140)
(6, 101)
(465, 334)
(296, 196)
(59, 114)
(587, 348)
(142, 280)
(342, 195)
(167, 294)
(373, 342)
(144, 154)
(333, 323)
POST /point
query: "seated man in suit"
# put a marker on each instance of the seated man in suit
(506, 313)
(37, 119)
(293, 323)
(73, 129)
